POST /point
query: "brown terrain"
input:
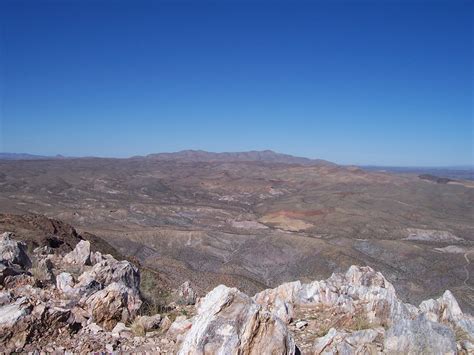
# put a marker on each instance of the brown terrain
(251, 220)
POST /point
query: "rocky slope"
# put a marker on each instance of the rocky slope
(86, 301)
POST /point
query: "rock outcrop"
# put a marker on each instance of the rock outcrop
(369, 315)
(49, 301)
(85, 302)
(230, 322)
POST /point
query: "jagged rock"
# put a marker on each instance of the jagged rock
(342, 342)
(78, 317)
(185, 294)
(13, 329)
(11, 313)
(110, 270)
(148, 322)
(360, 286)
(280, 300)
(13, 252)
(420, 335)
(65, 283)
(115, 303)
(80, 255)
(230, 322)
(97, 257)
(446, 309)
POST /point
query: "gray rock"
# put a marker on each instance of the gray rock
(110, 270)
(419, 335)
(13, 252)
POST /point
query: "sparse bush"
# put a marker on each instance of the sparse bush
(40, 272)
(360, 322)
(137, 328)
(155, 297)
(323, 329)
(461, 335)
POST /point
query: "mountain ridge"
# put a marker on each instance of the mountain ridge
(252, 155)
(190, 155)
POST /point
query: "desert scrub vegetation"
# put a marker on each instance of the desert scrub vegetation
(155, 297)
(137, 328)
(462, 335)
(360, 322)
(39, 270)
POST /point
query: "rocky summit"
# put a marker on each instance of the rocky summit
(83, 301)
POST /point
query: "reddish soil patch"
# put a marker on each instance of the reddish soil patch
(299, 214)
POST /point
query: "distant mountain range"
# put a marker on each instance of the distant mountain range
(199, 156)
(268, 156)
(26, 156)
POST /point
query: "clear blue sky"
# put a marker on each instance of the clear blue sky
(366, 82)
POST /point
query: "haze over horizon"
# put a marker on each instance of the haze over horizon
(362, 82)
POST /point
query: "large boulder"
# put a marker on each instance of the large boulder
(13, 252)
(80, 255)
(110, 270)
(115, 303)
(230, 322)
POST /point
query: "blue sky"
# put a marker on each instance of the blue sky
(355, 82)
